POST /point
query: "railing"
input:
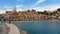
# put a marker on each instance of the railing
(3, 27)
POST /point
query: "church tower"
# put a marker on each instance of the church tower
(15, 10)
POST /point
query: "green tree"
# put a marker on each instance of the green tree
(58, 9)
(45, 12)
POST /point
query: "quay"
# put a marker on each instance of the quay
(9, 28)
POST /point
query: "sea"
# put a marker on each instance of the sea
(39, 27)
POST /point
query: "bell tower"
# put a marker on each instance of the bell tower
(15, 9)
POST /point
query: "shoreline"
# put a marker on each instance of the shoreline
(42, 20)
(36, 21)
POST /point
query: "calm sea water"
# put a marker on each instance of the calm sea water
(43, 27)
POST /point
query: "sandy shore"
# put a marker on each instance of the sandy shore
(13, 29)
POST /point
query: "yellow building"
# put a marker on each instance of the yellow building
(41, 17)
(9, 12)
(54, 17)
(21, 16)
(5, 16)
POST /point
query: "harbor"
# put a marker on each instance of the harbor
(39, 27)
(29, 16)
(9, 28)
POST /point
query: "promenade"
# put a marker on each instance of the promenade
(13, 29)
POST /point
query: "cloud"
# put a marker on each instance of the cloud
(40, 1)
(10, 8)
(2, 11)
(19, 7)
(7, 7)
(48, 7)
(36, 3)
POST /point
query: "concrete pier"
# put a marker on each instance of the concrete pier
(13, 29)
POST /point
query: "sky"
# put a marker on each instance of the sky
(38, 5)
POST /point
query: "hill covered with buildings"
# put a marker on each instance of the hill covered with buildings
(30, 15)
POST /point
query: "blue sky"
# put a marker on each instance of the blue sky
(38, 5)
